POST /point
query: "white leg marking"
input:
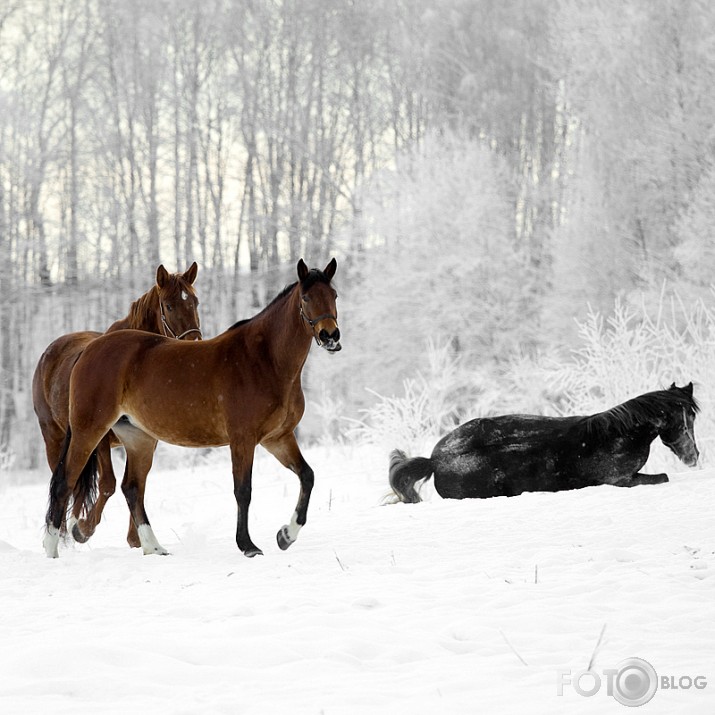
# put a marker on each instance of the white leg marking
(50, 541)
(71, 521)
(293, 528)
(148, 541)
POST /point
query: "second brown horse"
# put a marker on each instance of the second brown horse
(241, 388)
(169, 307)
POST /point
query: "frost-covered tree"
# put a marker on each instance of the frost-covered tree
(636, 77)
(696, 251)
(442, 264)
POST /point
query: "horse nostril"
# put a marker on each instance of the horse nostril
(325, 336)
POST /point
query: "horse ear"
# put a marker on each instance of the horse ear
(190, 274)
(672, 387)
(689, 389)
(162, 276)
(330, 269)
(302, 270)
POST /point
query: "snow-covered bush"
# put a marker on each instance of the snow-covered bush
(428, 407)
(450, 390)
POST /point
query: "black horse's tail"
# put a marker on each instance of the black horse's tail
(85, 490)
(405, 472)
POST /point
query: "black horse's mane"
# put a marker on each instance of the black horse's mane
(313, 277)
(647, 408)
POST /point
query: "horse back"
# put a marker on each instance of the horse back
(519, 433)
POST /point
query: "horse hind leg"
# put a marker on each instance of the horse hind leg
(85, 520)
(57, 506)
(54, 438)
(76, 463)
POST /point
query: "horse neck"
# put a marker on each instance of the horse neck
(617, 422)
(143, 314)
(285, 337)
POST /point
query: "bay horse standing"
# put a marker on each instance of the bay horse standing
(241, 388)
(169, 307)
(511, 454)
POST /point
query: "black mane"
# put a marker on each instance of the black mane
(648, 408)
(313, 277)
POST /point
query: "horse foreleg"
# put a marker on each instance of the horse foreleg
(242, 465)
(140, 455)
(287, 452)
(637, 479)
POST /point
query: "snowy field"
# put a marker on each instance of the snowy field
(439, 607)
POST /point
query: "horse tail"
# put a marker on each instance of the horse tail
(85, 490)
(405, 472)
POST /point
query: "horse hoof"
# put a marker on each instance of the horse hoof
(283, 538)
(86, 528)
(254, 551)
(159, 551)
(77, 534)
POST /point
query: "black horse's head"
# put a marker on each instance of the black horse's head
(678, 431)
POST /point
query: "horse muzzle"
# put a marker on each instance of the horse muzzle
(691, 460)
(687, 453)
(329, 341)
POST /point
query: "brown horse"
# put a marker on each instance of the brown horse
(241, 388)
(168, 308)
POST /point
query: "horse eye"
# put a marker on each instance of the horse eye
(169, 308)
(305, 298)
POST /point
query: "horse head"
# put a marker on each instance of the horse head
(178, 304)
(678, 431)
(317, 305)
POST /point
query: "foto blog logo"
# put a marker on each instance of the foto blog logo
(632, 682)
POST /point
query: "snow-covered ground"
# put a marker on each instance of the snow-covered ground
(439, 607)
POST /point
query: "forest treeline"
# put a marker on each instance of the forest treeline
(484, 170)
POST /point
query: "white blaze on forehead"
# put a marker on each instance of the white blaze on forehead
(184, 295)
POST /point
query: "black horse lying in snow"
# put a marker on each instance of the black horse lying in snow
(511, 454)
